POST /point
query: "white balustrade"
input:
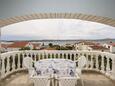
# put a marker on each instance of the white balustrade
(97, 65)
(91, 63)
(108, 66)
(113, 68)
(98, 61)
(13, 63)
(102, 63)
(3, 68)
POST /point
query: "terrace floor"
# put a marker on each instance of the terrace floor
(90, 79)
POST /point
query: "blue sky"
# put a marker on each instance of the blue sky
(57, 29)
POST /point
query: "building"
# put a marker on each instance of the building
(84, 45)
(111, 47)
(4, 47)
(90, 46)
(99, 48)
(20, 45)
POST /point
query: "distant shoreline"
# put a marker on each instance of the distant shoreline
(45, 40)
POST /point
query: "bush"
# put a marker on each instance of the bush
(25, 48)
(50, 45)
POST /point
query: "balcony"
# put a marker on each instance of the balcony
(99, 71)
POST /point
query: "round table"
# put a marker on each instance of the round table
(60, 67)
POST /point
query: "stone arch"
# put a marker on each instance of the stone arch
(98, 19)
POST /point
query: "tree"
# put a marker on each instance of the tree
(69, 48)
(57, 47)
(25, 48)
(42, 44)
(50, 45)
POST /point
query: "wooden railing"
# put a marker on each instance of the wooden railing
(98, 61)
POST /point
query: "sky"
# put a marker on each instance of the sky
(57, 29)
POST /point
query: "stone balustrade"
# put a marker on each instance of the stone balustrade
(103, 62)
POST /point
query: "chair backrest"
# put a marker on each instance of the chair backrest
(67, 81)
(27, 61)
(82, 61)
(41, 81)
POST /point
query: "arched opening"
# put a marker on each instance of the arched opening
(57, 29)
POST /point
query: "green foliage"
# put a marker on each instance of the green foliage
(34, 49)
(42, 44)
(25, 48)
(50, 45)
(63, 48)
(57, 47)
(69, 47)
(66, 48)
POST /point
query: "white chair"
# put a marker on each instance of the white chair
(27, 61)
(67, 81)
(41, 80)
(82, 61)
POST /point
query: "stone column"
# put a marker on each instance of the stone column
(0, 54)
(0, 44)
(113, 67)
(102, 63)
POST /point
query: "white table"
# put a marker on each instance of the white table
(55, 69)
(59, 67)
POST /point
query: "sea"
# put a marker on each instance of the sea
(62, 42)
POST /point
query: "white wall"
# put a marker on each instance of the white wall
(82, 47)
(106, 45)
(30, 46)
(112, 49)
(13, 49)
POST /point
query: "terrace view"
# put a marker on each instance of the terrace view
(57, 48)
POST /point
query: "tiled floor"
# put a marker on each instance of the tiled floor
(90, 79)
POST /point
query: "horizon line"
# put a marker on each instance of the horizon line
(60, 39)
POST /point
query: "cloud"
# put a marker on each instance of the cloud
(57, 29)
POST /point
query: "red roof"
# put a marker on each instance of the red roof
(97, 47)
(87, 43)
(113, 44)
(35, 45)
(18, 44)
(4, 45)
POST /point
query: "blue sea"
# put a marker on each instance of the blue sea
(62, 42)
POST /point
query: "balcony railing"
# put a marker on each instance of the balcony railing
(97, 61)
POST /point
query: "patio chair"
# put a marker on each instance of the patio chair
(27, 61)
(41, 80)
(67, 81)
(82, 61)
